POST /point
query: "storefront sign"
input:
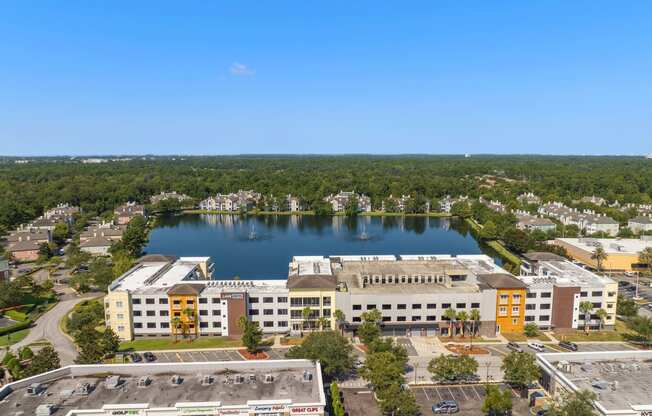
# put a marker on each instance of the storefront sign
(305, 410)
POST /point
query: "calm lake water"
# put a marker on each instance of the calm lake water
(260, 247)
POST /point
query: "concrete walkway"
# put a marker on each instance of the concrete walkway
(47, 328)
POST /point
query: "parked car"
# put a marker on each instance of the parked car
(568, 345)
(136, 358)
(514, 346)
(536, 346)
(630, 274)
(445, 406)
(149, 357)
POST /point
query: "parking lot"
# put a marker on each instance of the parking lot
(407, 344)
(211, 355)
(502, 350)
(468, 397)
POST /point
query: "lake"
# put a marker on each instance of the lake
(260, 247)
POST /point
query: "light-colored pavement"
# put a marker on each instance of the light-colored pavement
(47, 328)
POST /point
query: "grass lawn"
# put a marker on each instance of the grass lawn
(464, 340)
(291, 341)
(153, 344)
(13, 338)
(522, 338)
(592, 336)
(504, 253)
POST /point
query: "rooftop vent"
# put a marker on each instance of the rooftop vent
(113, 382)
(252, 378)
(307, 376)
(239, 379)
(207, 380)
(83, 389)
(35, 389)
(144, 381)
(176, 380)
(269, 378)
(45, 410)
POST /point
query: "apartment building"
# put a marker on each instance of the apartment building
(640, 224)
(528, 222)
(170, 296)
(62, 210)
(447, 202)
(528, 198)
(104, 230)
(402, 204)
(340, 200)
(587, 220)
(126, 212)
(242, 200)
(293, 203)
(412, 292)
(555, 289)
(163, 196)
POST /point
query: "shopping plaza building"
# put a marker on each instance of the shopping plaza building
(170, 296)
(234, 388)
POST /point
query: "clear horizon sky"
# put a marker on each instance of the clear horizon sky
(202, 77)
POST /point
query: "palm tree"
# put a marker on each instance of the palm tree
(190, 314)
(462, 317)
(602, 314)
(306, 313)
(340, 319)
(450, 315)
(599, 255)
(322, 323)
(586, 307)
(645, 258)
(475, 320)
(176, 323)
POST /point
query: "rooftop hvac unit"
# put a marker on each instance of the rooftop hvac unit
(564, 366)
(45, 410)
(239, 379)
(252, 378)
(269, 378)
(307, 376)
(83, 389)
(144, 381)
(35, 389)
(176, 380)
(112, 382)
(207, 380)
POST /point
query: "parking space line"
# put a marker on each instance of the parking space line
(438, 395)
(204, 356)
(464, 393)
(426, 393)
(179, 357)
(514, 392)
(451, 393)
(476, 392)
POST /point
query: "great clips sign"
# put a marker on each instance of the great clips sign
(305, 410)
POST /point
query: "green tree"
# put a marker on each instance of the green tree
(450, 316)
(475, 321)
(340, 318)
(306, 314)
(520, 369)
(110, 342)
(134, 237)
(645, 258)
(575, 404)
(602, 315)
(388, 345)
(626, 306)
(497, 402)
(489, 231)
(60, 233)
(382, 370)
(122, 262)
(531, 330)
(252, 335)
(336, 403)
(451, 367)
(461, 209)
(351, 208)
(330, 348)
(585, 308)
(45, 360)
(25, 353)
(599, 255)
(397, 401)
(462, 317)
(642, 325)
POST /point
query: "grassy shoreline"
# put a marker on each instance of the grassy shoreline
(312, 213)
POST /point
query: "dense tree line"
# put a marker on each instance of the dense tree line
(28, 189)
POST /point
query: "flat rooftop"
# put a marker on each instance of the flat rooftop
(566, 273)
(291, 382)
(622, 380)
(631, 246)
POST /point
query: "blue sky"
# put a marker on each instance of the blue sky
(556, 77)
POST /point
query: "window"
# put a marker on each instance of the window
(460, 305)
(371, 307)
(217, 324)
(416, 306)
(326, 313)
(387, 307)
(176, 302)
(268, 311)
(296, 315)
(136, 301)
(151, 325)
(149, 301)
(386, 319)
(203, 312)
(203, 300)
(282, 324)
(282, 312)
(253, 300)
(177, 314)
(162, 301)
(164, 313)
(431, 318)
(357, 307)
(475, 305)
(611, 294)
(215, 300)
(151, 313)
(583, 294)
(597, 305)
(502, 311)
(138, 313)
(356, 319)
(254, 311)
(190, 301)
(203, 324)
(529, 319)
(400, 318)
(546, 294)
(268, 299)
(445, 305)
(610, 305)
(544, 318)
(216, 312)
(596, 293)
(282, 299)
(268, 324)
(530, 307)
(416, 318)
(118, 304)
(544, 306)
(401, 306)
(516, 298)
(120, 316)
(531, 295)
(432, 306)
(326, 301)
(121, 328)
(504, 299)
(514, 321)
(138, 325)
(516, 310)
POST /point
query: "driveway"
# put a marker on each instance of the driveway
(47, 328)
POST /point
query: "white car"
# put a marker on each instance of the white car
(536, 346)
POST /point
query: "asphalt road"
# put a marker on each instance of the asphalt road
(47, 328)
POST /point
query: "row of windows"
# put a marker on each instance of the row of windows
(505, 298)
(267, 299)
(533, 306)
(541, 318)
(410, 279)
(502, 311)
(166, 325)
(164, 301)
(311, 301)
(533, 295)
(268, 312)
(314, 314)
(416, 318)
(403, 306)
(594, 293)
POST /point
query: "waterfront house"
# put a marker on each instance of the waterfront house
(126, 212)
(339, 201)
(640, 224)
